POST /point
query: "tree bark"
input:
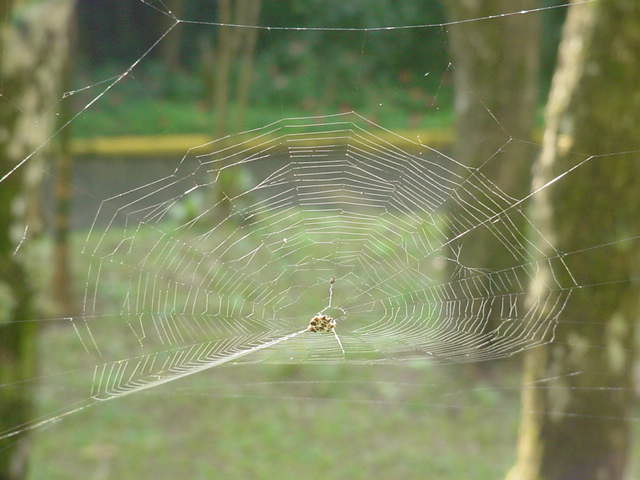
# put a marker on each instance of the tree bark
(574, 430)
(171, 44)
(230, 42)
(62, 286)
(223, 57)
(33, 43)
(246, 70)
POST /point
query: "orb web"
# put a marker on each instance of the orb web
(282, 211)
(229, 258)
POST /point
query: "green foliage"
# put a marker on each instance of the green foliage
(149, 116)
(255, 421)
(224, 424)
(401, 78)
(296, 73)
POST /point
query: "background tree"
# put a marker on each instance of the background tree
(593, 107)
(496, 79)
(62, 286)
(33, 38)
(171, 45)
(250, 17)
(232, 41)
(224, 65)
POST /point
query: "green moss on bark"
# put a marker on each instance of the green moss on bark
(573, 430)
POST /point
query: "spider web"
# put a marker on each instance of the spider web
(331, 199)
(336, 215)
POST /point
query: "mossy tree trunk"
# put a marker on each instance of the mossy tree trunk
(33, 42)
(496, 79)
(574, 430)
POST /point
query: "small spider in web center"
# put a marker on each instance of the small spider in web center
(322, 323)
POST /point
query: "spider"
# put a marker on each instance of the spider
(323, 323)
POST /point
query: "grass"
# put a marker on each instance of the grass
(157, 101)
(273, 421)
(229, 423)
(270, 421)
(172, 117)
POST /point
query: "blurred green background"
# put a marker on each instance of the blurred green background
(294, 72)
(204, 81)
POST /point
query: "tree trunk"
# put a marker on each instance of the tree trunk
(62, 286)
(246, 70)
(495, 72)
(222, 68)
(574, 430)
(32, 47)
(171, 44)
(230, 42)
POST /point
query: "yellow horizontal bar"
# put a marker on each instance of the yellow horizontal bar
(149, 145)
(142, 145)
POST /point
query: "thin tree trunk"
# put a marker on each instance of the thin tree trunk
(63, 189)
(593, 108)
(33, 177)
(230, 41)
(222, 68)
(34, 43)
(171, 44)
(207, 60)
(246, 70)
(62, 278)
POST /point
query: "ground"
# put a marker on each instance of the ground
(257, 420)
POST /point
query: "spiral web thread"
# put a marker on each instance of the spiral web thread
(326, 197)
